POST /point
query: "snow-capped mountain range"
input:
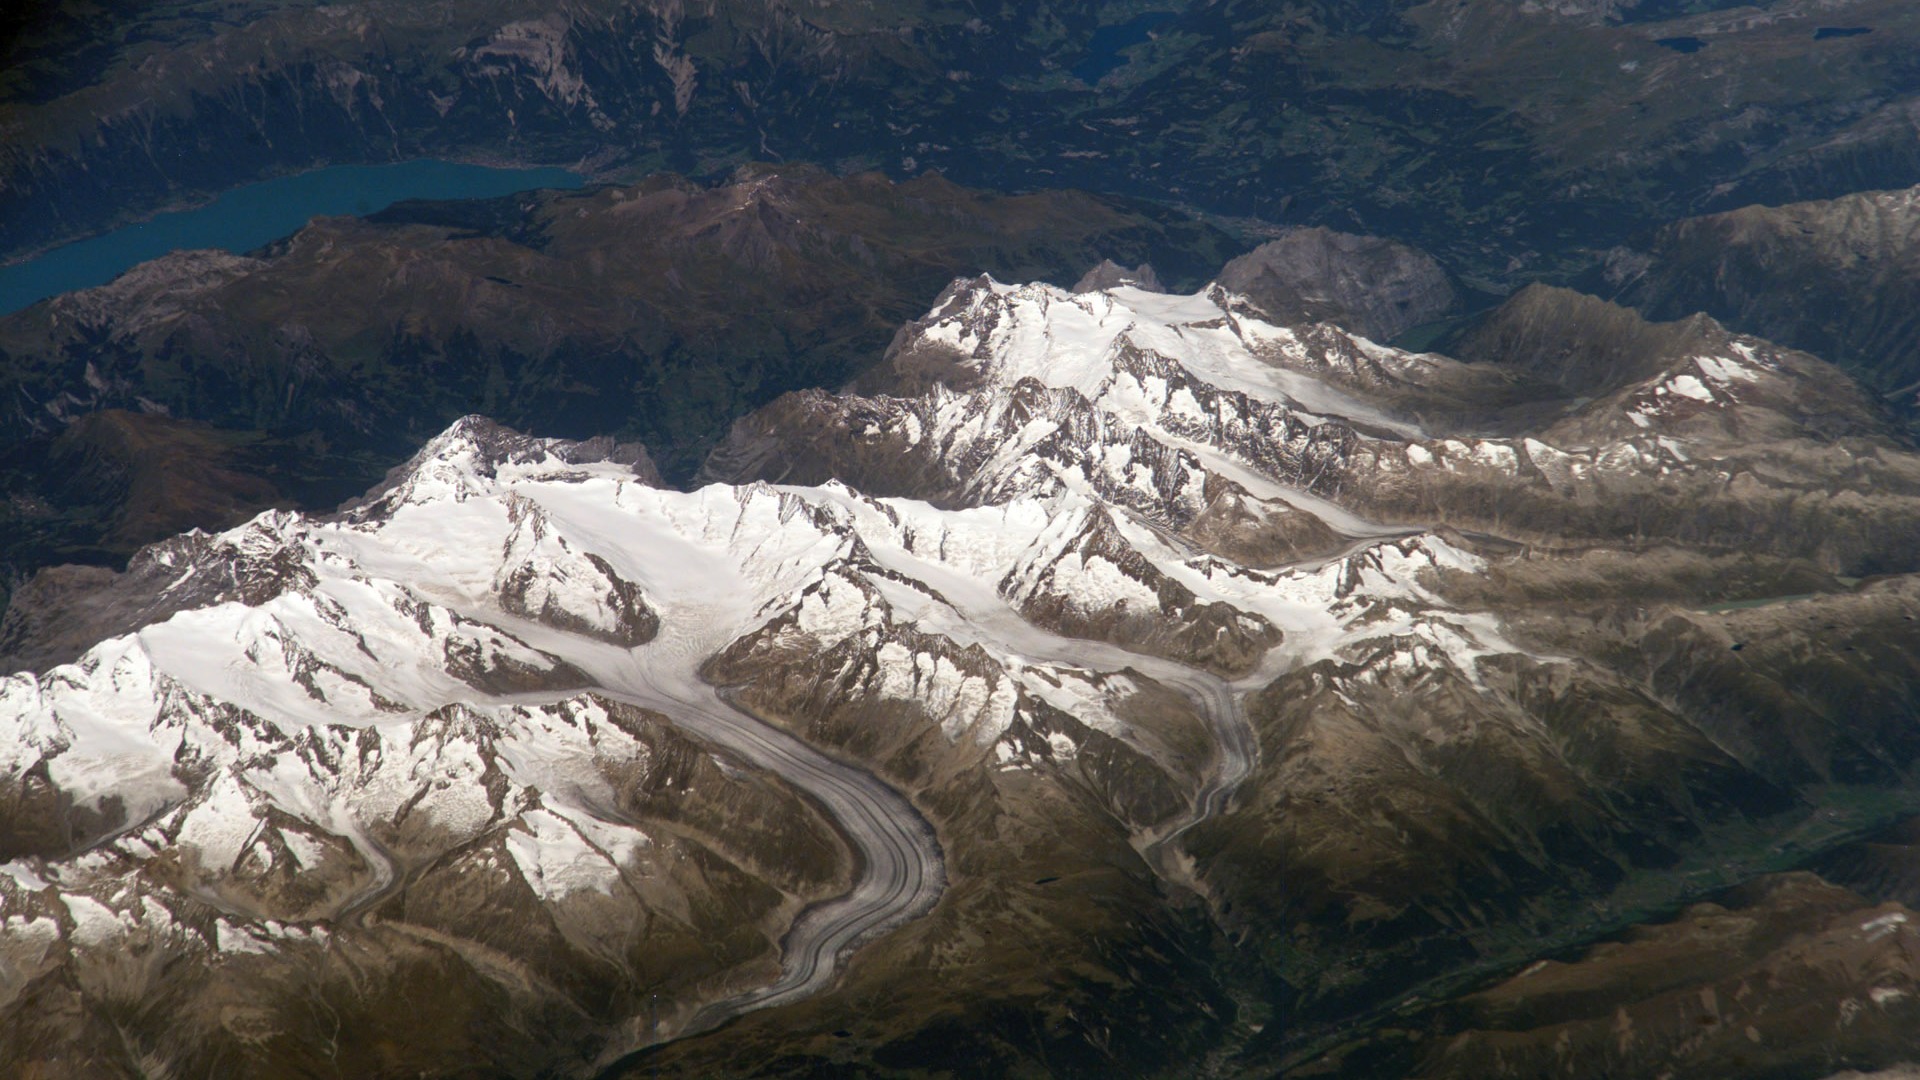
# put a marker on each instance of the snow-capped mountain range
(630, 760)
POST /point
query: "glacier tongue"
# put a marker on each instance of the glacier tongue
(473, 667)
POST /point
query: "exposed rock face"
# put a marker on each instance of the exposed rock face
(278, 751)
(202, 387)
(63, 610)
(1144, 602)
(1373, 287)
(1085, 580)
(1005, 420)
(1484, 796)
(1839, 278)
(1578, 343)
(1111, 275)
(1770, 438)
(440, 869)
(1767, 434)
(341, 635)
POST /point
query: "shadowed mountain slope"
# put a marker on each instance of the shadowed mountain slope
(657, 312)
(1512, 140)
(1839, 278)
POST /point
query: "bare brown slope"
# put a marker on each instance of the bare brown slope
(657, 312)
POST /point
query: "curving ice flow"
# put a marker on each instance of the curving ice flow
(363, 635)
(707, 565)
(972, 612)
(447, 651)
(900, 873)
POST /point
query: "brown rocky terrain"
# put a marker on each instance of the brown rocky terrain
(297, 375)
(420, 968)
(1834, 277)
(1786, 976)
(1680, 708)
(1376, 288)
(1481, 699)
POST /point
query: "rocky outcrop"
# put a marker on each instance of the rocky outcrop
(1375, 287)
(1836, 278)
(1083, 579)
(1579, 344)
(1431, 795)
(200, 388)
(1590, 423)
(60, 611)
(593, 906)
(1495, 695)
(543, 578)
(1111, 275)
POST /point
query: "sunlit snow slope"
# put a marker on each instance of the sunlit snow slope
(630, 761)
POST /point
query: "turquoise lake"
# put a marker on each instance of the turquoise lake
(247, 217)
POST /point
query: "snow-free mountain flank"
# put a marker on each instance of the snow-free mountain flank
(1086, 603)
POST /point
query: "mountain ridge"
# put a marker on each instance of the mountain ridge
(1006, 607)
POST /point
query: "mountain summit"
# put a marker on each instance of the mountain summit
(1101, 654)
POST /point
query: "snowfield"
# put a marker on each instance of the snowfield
(442, 653)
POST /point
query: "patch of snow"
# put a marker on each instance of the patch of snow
(1723, 370)
(1880, 927)
(1688, 386)
(220, 825)
(230, 938)
(95, 925)
(23, 875)
(554, 858)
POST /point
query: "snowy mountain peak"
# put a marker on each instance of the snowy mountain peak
(1004, 334)
(474, 450)
(1036, 587)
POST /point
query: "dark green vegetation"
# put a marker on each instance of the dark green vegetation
(301, 373)
(1428, 873)
(1514, 143)
(248, 217)
(1512, 140)
(1839, 278)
